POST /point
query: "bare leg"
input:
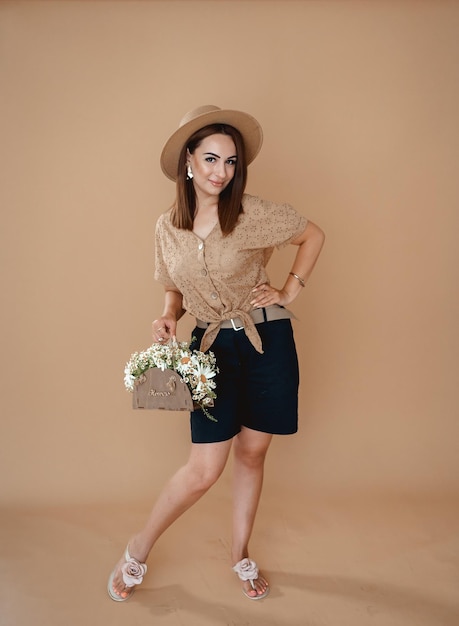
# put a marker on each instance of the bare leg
(250, 448)
(189, 483)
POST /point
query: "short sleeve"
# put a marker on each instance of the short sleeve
(161, 254)
(270, 224)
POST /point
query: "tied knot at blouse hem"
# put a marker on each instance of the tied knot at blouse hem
(249, 329)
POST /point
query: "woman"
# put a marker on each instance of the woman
(212, 248)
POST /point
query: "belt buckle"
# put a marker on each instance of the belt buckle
(234, 325)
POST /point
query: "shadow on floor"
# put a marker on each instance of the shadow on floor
(372, 598)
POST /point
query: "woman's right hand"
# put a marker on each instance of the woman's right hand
(163, 329)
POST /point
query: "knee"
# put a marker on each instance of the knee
(202, 478)
(251, 457)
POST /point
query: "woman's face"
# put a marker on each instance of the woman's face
(213, 164)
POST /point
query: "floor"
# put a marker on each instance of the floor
(360, 561)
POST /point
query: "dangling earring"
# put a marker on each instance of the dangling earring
(189, 173)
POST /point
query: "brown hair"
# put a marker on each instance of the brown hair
(230, 199)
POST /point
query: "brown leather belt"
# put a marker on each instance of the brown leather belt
(265, 314)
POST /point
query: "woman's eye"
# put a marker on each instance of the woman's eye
(210, 159)
(231, 161)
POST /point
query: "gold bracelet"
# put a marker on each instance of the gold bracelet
(299, 279)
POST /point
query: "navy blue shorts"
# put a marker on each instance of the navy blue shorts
(259, 391)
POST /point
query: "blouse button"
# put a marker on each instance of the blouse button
(214, 295)
(203, 272)
(201, 246)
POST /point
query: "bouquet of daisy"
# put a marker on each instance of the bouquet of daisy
(197, 369)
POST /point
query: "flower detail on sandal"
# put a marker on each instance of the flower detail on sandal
(133, 571)
(248, 570)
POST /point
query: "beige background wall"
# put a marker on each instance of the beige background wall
(359, 103)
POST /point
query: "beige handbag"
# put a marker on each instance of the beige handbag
(161, 389)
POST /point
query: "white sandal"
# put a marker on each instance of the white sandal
(133, 573)
(248, 570)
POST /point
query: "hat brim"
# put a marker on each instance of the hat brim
(247, 125)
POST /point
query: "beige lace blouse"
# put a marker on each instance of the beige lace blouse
(216, 275)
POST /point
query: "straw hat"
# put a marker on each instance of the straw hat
(205, 115)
